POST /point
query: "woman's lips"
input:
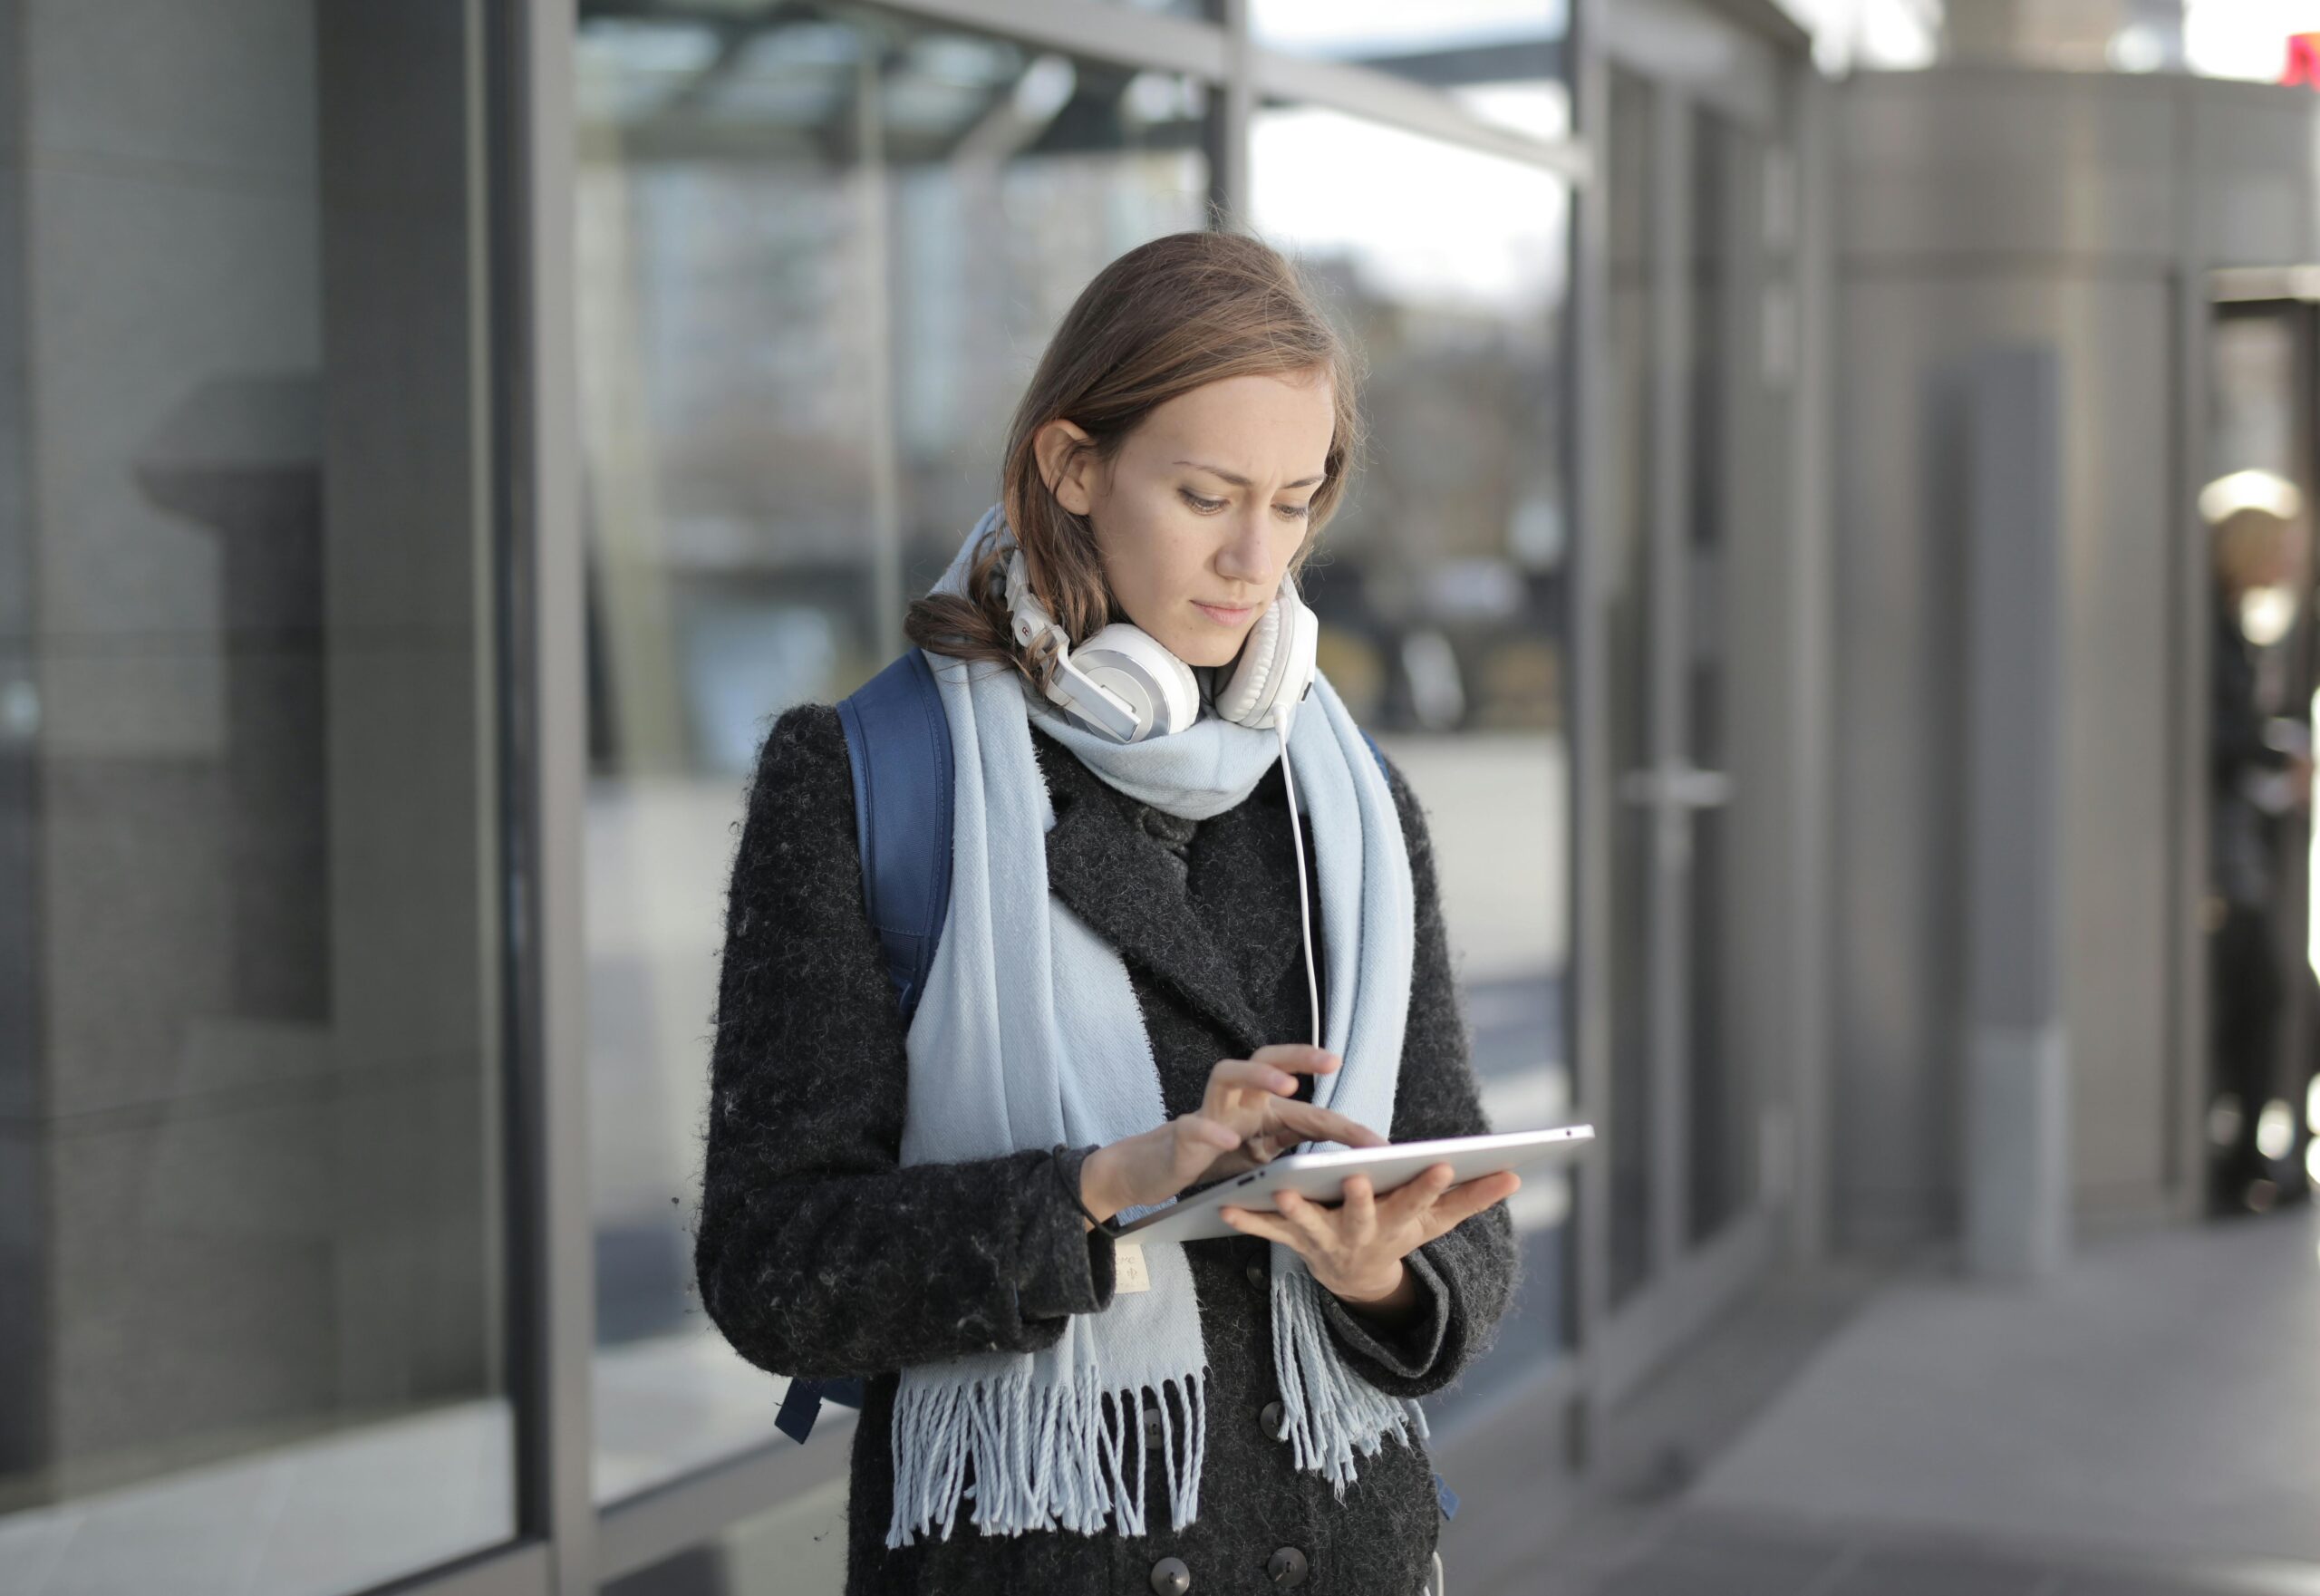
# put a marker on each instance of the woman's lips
(1225, 614)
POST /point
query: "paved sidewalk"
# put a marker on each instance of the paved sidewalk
(2160, 1397)
(1697, 1551)
(2147, 1424)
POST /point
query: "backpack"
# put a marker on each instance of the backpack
(898, 742)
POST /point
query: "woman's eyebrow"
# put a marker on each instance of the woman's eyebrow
(1236, 479)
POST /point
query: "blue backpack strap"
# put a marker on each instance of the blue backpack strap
(801, 1405)
(1378, 754)
(899, 741)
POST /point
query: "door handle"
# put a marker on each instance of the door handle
(1684, 786)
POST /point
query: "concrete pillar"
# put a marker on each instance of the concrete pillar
(2017, 1171)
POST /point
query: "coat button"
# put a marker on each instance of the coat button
(1286, 1567)
(1269, 1418)
(1170, 1577)
(1259, 1277)
(1152, 1430)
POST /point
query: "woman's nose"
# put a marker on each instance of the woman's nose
(1245, 556)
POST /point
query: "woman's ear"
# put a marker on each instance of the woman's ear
(1067, 464)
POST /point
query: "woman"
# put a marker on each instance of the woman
(921, 1204)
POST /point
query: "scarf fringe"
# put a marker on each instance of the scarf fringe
(1330, 1413)
(1070, 1455)
(1066, 1456)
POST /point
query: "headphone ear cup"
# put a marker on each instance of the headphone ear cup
(1245, 693)
(1276, 663)
(1130, 663)
(1120, 683)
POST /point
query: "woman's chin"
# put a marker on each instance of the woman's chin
(1203, 643)
(1205, 651)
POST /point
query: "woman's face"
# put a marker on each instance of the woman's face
(2257, 548)
(1203, 507)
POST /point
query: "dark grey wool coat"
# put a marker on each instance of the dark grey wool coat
(818, 1255)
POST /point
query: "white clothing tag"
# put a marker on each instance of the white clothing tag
(1128, 1273)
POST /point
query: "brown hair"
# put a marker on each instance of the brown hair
(1166, 318)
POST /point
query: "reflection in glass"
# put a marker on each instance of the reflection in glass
(817, 257)
(252, 1332)
(1440, 584)
(1503, 60)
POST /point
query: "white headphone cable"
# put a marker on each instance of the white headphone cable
(1304, 899)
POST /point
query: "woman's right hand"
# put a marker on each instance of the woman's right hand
(1247, 1115)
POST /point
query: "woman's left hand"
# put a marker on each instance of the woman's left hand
(1355, 1248)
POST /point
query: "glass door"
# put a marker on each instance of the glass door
(1691, 510)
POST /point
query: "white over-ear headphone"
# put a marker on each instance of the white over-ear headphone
(1122, 682)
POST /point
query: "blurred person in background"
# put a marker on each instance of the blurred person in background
(2259, 772)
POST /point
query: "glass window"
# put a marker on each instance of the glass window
(797, 1548)
(1504, 60)
(819, 255)
(1440, 583)
(252, 1325)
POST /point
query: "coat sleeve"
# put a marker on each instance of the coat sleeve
(1466, 1276)
(817, 1252)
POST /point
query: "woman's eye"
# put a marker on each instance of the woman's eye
(1209, 507)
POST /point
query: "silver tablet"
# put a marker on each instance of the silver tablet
(1322, 1175)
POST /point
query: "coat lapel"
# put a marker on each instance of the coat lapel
(1244, 861)
(1122, 883)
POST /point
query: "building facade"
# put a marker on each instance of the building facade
(437, 439)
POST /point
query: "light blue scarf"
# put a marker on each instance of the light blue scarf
(1029, 1034)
